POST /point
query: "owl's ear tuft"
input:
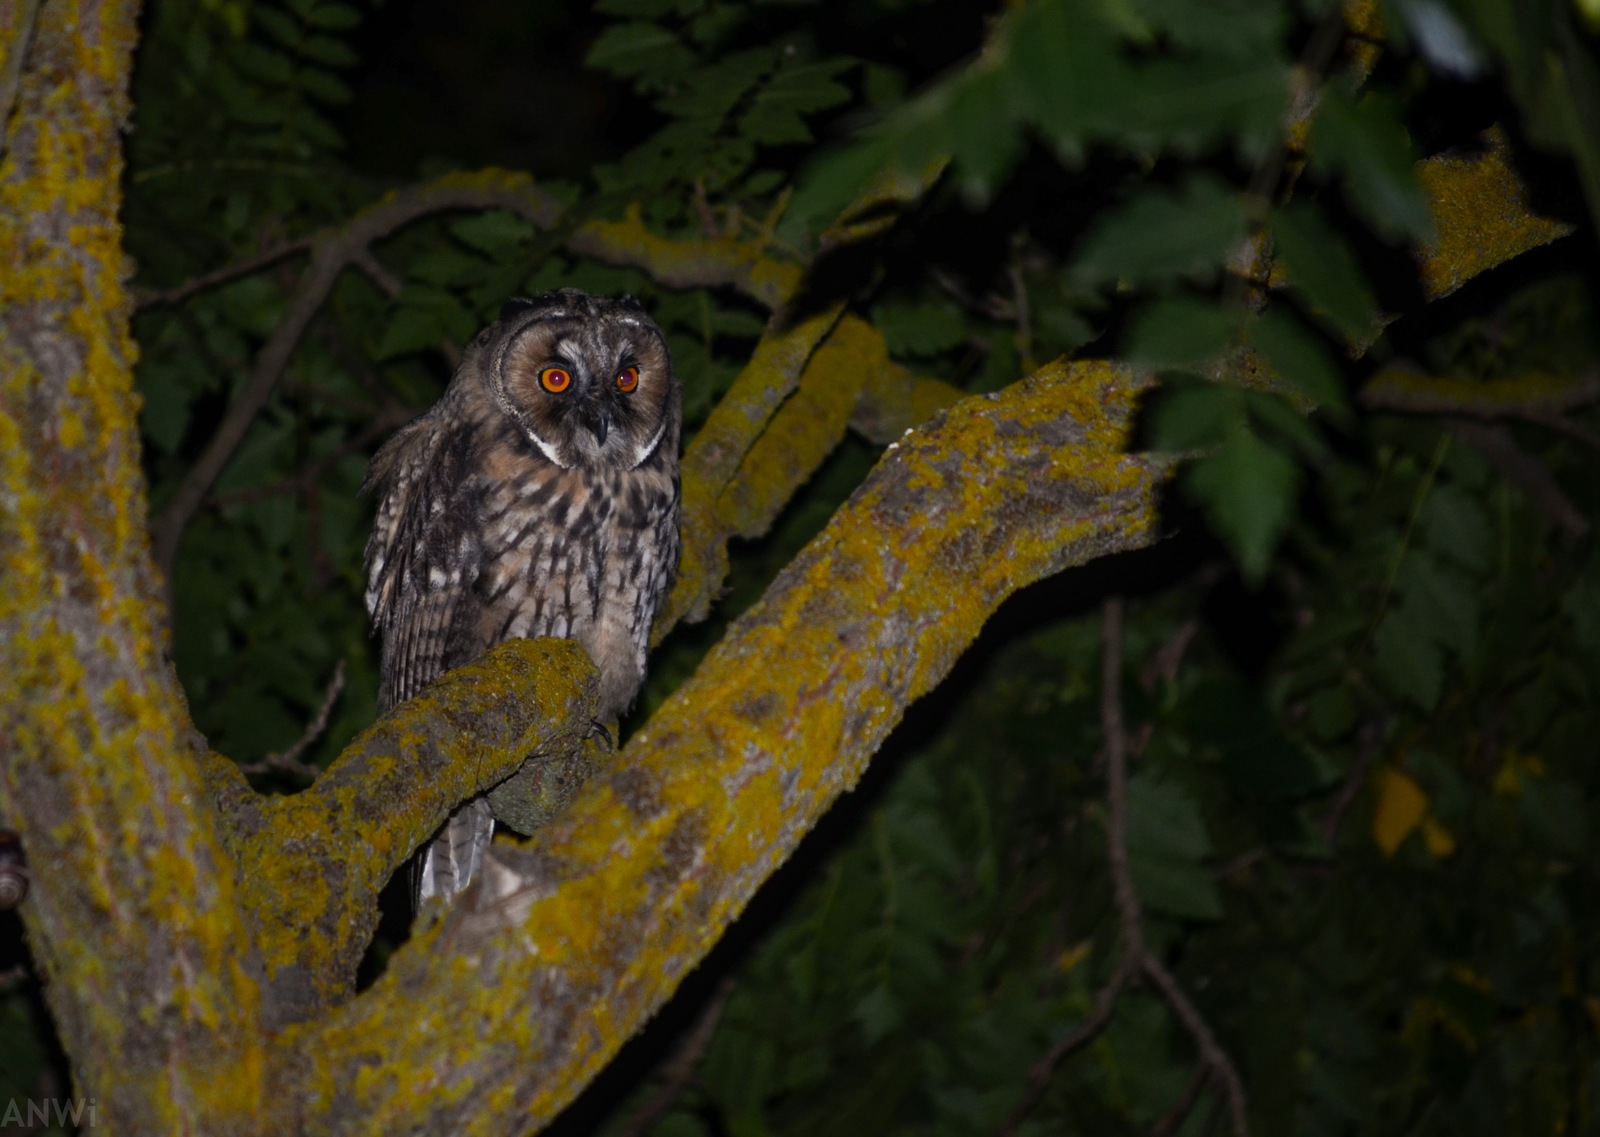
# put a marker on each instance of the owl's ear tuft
(628, 301)
(516, 306)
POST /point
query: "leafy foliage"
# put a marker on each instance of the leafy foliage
(1362, 674)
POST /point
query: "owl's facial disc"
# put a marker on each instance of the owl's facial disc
(589, 388)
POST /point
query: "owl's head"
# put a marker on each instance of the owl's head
(587, 378)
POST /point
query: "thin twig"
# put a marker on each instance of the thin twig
(1179, 1113)
(223, 275)
(390, 419)
(1211, 1054)
(1136, 958)
(1164, 664)
(331, 253)
(1369, 736)
(289, 761)
(1044, 1067)
(388, 283)
(1019, 293)
(1577, 430)
(1129, 912)
(1526, 472)
(679, 1068)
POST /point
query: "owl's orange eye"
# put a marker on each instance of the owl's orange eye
(627, 378)
(555, 380)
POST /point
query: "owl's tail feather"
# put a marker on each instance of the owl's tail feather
(450, 863)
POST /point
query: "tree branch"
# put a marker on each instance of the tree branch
(618, 898)
(714, 456)
(1481, 216)
(677, 1071)
(1525, 472)
(132, 908)
(331, 253)
(288, 761)
(315, 862)
(1530, 397)
(223, 275)
(1135, 958)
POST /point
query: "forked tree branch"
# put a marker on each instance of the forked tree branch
(318, 859)
(331, 253)
(1134, 959)
(609, 906)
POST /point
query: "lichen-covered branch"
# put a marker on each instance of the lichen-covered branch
(689, 263)
(804, 430)
(1529, 396)
(714, 457)
(616, 900)
(133, 907)
(315, 862)
(1481, 215)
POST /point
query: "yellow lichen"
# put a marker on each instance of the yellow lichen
(1481, 212)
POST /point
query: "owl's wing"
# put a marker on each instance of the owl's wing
(450, 862)
(423, 559)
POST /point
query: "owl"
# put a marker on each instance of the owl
(538, 497)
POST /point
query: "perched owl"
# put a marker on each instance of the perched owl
(538, 497)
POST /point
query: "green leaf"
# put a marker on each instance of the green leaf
(1300, 359)
(329, 51)
(1163, 820)
(164, 417)
(1193, 416)
(413, 328)
(1248, 488)
(1161, 237)
(498, 232)
(978, 125)
(260, 62)
(1322, 269)
(1440, 601)
(333, 17)
(1331, 714)
(323, 85)
(877, 1013)
(1068, 71)
(1174, 887)
(279, 26)
(1192, 105)
(640, 51)
(1457, 527)
(777, 112)
(926, 328)
(645, 9)
(711, 92)
(1366, 143)
(1166, 842)
(1180, 332)
(1408, 661)
(1274, 412)
(1225, 28)
(1581, 607)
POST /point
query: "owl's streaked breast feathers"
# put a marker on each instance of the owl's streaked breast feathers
(539, 496)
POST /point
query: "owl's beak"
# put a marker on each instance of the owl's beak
(597, 417)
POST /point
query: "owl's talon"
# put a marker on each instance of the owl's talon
(598, 727)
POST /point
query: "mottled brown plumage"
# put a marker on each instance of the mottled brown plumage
(538, 497)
